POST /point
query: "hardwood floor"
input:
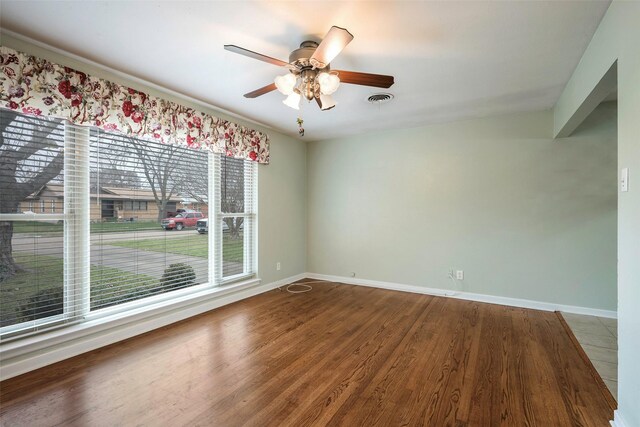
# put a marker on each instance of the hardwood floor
(338, 355)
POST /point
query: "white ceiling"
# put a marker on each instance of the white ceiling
(451, 60)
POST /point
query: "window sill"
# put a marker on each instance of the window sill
(49, 347)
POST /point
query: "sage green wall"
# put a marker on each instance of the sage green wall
(618, 38)
(523, 215)
(283, 210)
(281, 184)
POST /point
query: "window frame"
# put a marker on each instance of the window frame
(249, 268)
(73, 310)
(76, 243)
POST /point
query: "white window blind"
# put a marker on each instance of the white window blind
(235, 222)
(143, 239)
(126, 220)
(35, 155)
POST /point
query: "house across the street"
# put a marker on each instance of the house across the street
(110, 204)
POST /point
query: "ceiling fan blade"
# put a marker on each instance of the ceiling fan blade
(255, 55)
(336, 39)
(365, 79)
(258, 92)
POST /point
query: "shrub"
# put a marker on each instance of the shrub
(105, 295)
(178, 276)
(44, 303)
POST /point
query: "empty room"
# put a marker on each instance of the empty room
(310, 213)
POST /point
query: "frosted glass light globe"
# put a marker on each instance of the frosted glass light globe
(286, 83)
(328, 83)
(293, 101)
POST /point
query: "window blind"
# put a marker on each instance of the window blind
(36, 154)
(138, 252)
(236, 218)
(123, 220)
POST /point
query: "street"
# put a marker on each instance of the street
(132, 260)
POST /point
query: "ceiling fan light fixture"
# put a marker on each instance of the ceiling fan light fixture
(328, 83)
(286, 83)
(326, 102)
(310, 73)
(293, 101)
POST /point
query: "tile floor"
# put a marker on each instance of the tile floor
(598, 336)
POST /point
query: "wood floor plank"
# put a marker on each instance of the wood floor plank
(305, 355)
(338, 355)
(360, 366)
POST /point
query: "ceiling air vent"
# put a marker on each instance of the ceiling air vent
(379, 98)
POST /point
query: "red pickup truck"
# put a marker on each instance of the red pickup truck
(182, 220)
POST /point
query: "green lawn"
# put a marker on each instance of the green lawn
(36, 227)
(232, 249)
(189, 245)
(116, 227)
(194, 245)
(98, 227)
(44, 274)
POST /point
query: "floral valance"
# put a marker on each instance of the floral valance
(36, 86)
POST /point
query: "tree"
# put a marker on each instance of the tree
(163, 168)
(111, 167)
(195, 185)
(110, 176)
(29, 159)
(232, 193)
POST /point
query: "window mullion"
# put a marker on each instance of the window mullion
(249, 223)
(215, 237)
(76, 213)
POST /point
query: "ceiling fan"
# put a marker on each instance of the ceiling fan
(310, 74)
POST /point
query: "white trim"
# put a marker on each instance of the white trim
(618, 420)
(21, 356)
(491, 299)
(132, 78)
(212, 208)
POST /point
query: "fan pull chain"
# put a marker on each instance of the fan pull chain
(300, 120)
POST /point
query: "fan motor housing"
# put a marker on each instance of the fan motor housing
(300, 56)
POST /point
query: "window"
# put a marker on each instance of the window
(48, 277)
(236, 198)
(137, 255)
(135, 205)
(35, 281)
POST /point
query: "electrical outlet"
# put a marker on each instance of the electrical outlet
(278, 266)
(460, 275)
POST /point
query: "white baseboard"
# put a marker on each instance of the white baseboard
(35, 352)
(21, 356)
(491, 299)
(618, 421)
